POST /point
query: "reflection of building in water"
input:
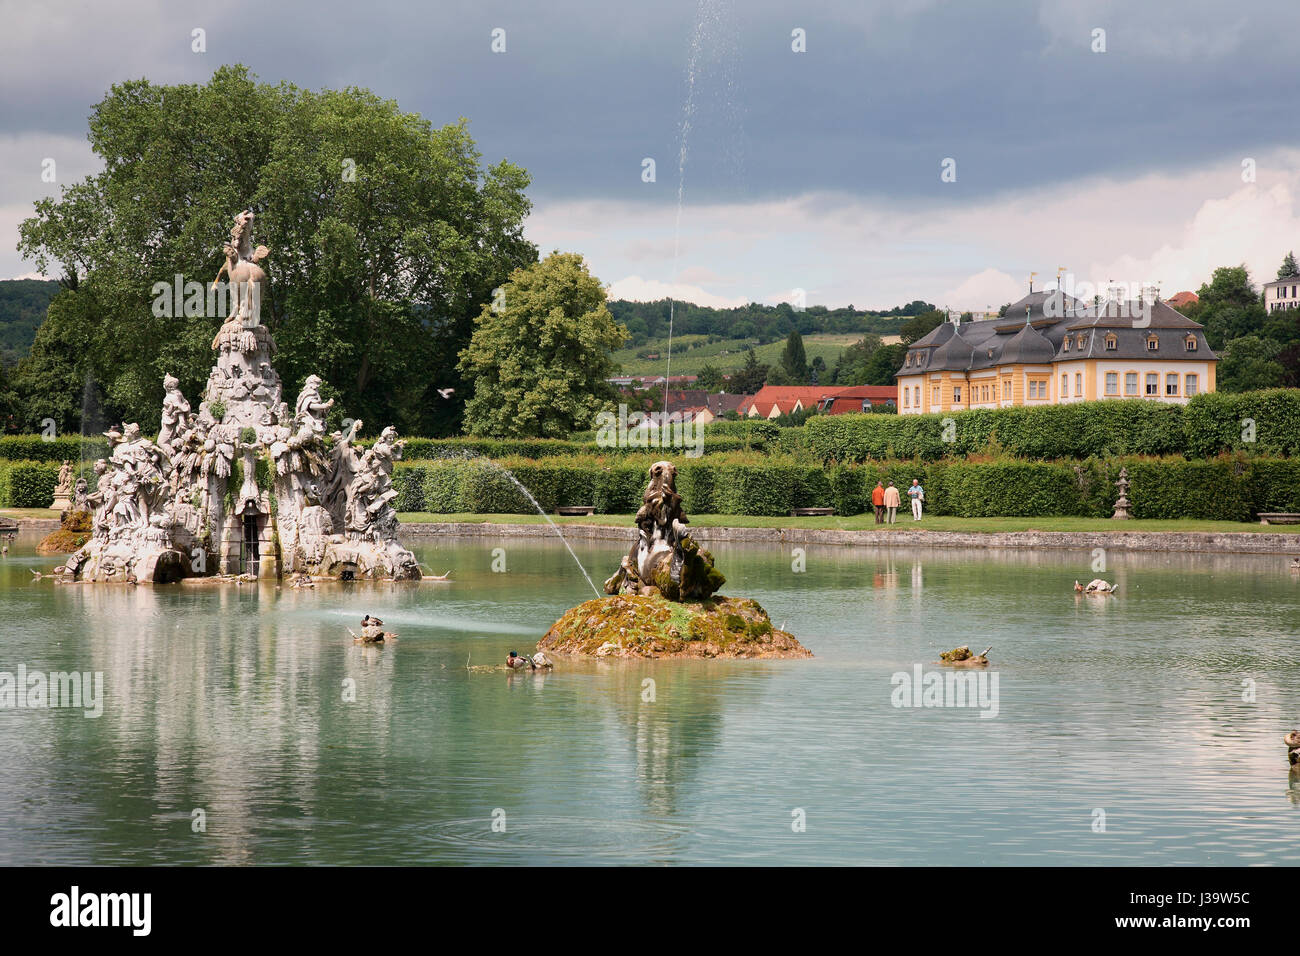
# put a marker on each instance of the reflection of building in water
(916, 578)
(235, 729)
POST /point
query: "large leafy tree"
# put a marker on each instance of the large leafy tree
(1250, 362)
(918, 327)
(539, 355)
(386, 234)
(851, 366)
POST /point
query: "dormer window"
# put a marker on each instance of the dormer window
(1066, 344)
(1153, 343)
(1112, 343)
(1080, 340)
(1190, 343)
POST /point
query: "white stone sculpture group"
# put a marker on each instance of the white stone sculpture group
(245, 485)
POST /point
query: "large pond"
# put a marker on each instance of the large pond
(1140, 728)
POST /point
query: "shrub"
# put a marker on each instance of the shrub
(27, 484)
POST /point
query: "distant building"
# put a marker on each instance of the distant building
(773, 401)
(1180, 299)
(1052, 349)
(1281, 294)
(857, 398)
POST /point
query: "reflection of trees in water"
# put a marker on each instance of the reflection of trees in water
(214, 700)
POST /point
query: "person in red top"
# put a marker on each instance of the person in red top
(878, 502)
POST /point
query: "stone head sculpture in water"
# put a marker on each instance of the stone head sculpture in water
(665, 559)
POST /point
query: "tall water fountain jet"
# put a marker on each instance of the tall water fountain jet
(246, 485)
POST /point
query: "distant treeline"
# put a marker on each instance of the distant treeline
(22, 309)
(647, 321)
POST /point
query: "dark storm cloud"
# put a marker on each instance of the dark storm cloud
(884, 92)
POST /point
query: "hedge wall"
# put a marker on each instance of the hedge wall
(27, 484)
(1226, 488)
(35, 448)
(1210, 424)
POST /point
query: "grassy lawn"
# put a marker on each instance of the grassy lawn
(29, 513)
(730, 354)
(868, 522)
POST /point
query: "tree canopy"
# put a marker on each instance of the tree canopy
(386, 237)
(539, 355)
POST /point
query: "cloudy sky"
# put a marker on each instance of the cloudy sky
(1171, 152)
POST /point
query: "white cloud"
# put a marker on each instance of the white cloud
(638, 289)
(1168, 228)
(989, 288)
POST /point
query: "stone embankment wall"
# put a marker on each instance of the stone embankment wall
(1215, 542)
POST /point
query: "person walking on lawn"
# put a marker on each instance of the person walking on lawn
(917, 494)
(878, 502)
(892, 501)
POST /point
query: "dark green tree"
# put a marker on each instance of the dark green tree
(387, 237)
(884, 362)
(751, 376)
(709, 377)
(918, 327)
(1289, 268)
(794, 360)
(1248, 363)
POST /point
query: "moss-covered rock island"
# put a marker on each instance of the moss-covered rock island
(663, 599)
(632, 625)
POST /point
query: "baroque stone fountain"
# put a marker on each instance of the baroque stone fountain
(247, 485)
(663, 599)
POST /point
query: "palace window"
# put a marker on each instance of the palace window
(1080, 340)
(1171, 383)
(1078, 385)
(1131, 383)
(935, 390)
(1112, 383)
(1153, 343)
(1112, 343)
(1065, 346)
(956, 393)
(1192, 384)
(1153, 383)
(1065, 385)
(1190, 344)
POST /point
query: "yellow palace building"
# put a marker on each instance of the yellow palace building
(1052, 349)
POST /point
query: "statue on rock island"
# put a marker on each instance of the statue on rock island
(665, 559)
(663, 601)
(244, 477)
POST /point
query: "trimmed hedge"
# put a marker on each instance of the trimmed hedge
(1230, 488)
(27, 484)
(35, 448)
(1210, 424)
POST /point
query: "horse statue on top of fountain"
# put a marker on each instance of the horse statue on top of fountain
(245, 277)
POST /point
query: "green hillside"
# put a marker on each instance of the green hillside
(693, 352)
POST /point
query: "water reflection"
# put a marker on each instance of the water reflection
(253, 704)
